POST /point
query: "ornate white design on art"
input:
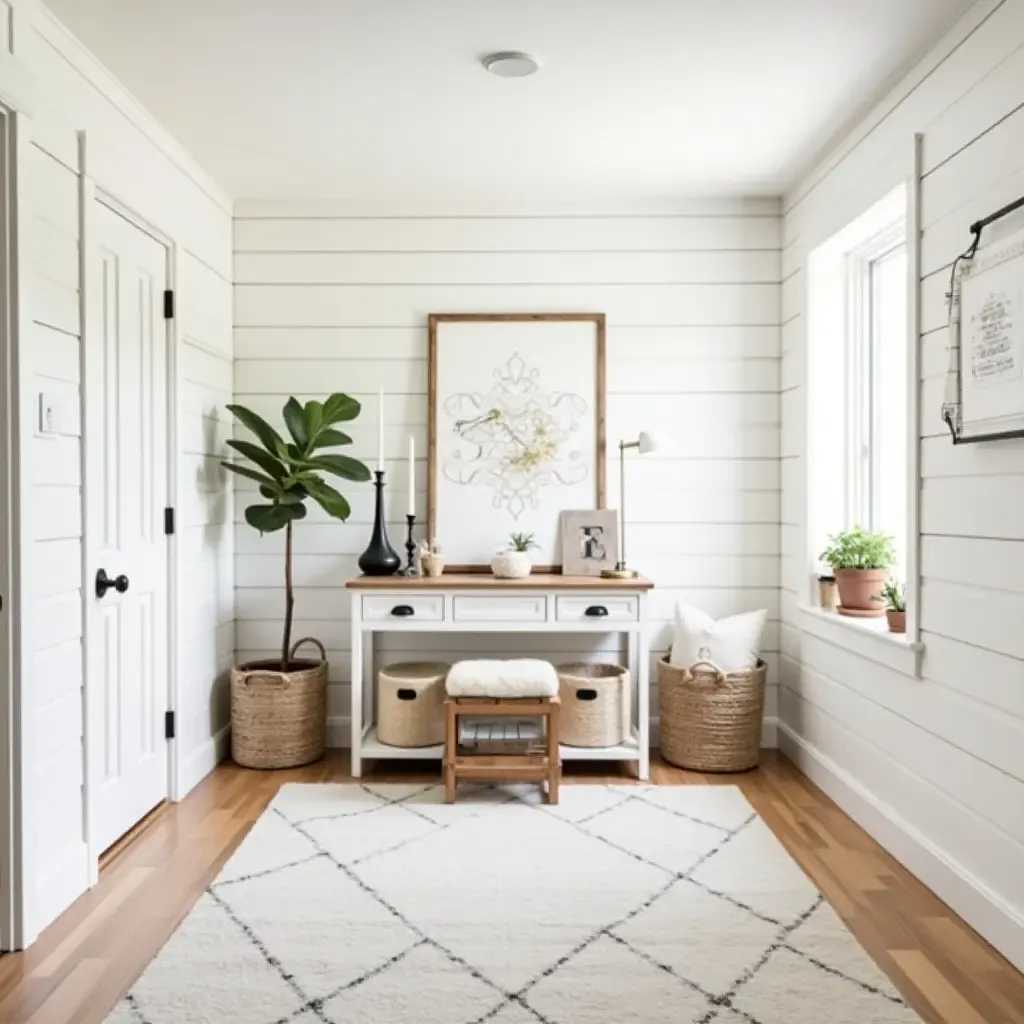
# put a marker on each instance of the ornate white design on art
(517, 438)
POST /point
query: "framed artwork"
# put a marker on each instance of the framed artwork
(516, 411)
(590, 541)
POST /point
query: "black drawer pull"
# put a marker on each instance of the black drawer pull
(596, 611)
(403, 610)
(406, 694)
(586, 694)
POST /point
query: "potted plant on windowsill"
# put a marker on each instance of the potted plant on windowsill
(894, 597)
(279, 706)
(860, 560)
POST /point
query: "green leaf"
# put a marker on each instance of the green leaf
(263, 481)
(268, 518)
(313, 421)
(267, 435)
(333, 503)
(267, 462)
(295, 421)
(341, 465)
(330, 438)
(340, 407)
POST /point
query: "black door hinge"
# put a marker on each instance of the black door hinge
(168, 305)
(168, 521)
(168, 725)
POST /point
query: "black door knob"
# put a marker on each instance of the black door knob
(104, 583)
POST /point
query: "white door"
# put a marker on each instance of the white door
(126, 445)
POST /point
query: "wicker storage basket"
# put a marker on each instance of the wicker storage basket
(595, 705)
(279, 719)
(710, 721)
(410, 703)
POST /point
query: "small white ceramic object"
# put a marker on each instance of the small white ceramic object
(511, 565)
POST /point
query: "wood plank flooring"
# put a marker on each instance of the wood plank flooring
(84, 962)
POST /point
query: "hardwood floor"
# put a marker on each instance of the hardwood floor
(84, 962)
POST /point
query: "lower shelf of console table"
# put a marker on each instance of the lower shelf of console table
(373, 748)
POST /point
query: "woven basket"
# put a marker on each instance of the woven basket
(279, 719)
(410, 703)
(595, 705)
(711, 721)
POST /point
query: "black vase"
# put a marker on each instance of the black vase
(379, 558)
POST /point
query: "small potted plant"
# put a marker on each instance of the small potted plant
(514, 562)
(894, 597)
(860, 560)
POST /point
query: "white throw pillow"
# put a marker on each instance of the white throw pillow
(732, 644)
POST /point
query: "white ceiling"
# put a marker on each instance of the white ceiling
(385, 100)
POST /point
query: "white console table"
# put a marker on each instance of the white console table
(484, 604)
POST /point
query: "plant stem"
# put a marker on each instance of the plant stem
(289, 597)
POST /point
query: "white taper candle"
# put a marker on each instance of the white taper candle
(380, 430)
(412, 476)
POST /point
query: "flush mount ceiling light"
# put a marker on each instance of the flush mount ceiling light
(510, 64)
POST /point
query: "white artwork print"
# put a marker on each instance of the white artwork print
(992, 333)
(516, 433)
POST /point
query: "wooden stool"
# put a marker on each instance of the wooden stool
(540, 766)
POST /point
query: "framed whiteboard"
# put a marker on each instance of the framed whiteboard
(516, 410)
(985, 399)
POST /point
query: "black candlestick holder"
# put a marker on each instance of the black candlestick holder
(379, 558)
(412, 569)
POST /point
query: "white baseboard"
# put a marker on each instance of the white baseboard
(1000, 923)
(201, 761)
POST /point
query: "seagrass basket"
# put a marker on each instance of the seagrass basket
(595, 704)
(410, 703)
(710, 721)
(279, 719)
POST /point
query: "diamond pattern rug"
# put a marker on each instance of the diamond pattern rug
(352, 904)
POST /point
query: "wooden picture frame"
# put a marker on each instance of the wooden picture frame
(559, 337)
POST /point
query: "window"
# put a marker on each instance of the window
(858, 434)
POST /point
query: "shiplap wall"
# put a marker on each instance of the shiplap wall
(130, 157)
(933, 767)
(328, 299)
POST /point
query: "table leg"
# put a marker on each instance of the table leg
(554, 758)
(356, 691)
(643, 703)
(451, 740)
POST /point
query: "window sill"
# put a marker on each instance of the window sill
(870, 638)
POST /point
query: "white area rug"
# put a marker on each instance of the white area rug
(382, 905)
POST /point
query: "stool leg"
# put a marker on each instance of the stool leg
(554, 759)
(451, 737)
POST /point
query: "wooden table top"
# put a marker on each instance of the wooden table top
(484, 581)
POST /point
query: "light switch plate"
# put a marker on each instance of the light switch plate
(48, 413)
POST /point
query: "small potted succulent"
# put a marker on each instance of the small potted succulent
(514, 562)
(894, 597)
(860, 560)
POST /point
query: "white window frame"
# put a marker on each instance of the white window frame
(865, 637)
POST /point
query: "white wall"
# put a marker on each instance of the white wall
(130, 157)
(932, 767)
(327, 298)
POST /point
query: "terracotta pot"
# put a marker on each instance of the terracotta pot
(897, 621)
(860, 592)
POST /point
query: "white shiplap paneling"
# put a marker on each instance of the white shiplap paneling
(326, 301)
(930, 766)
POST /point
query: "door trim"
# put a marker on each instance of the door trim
(91, 194)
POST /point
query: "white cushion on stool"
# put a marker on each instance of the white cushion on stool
(517, 677)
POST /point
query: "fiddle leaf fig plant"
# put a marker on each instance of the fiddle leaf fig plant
(290, 471)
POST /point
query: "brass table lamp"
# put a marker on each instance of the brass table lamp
(645, 444)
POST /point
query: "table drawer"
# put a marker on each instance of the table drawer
(488, 608)
(598, 608)
(403, 608)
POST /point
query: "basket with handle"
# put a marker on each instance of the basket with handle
(279, 719)
(710, 720)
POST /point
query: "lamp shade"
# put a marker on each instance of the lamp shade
(649, 442)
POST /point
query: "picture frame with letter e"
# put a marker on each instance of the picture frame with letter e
(590, 541)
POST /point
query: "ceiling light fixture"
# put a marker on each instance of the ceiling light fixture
(510, 64)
